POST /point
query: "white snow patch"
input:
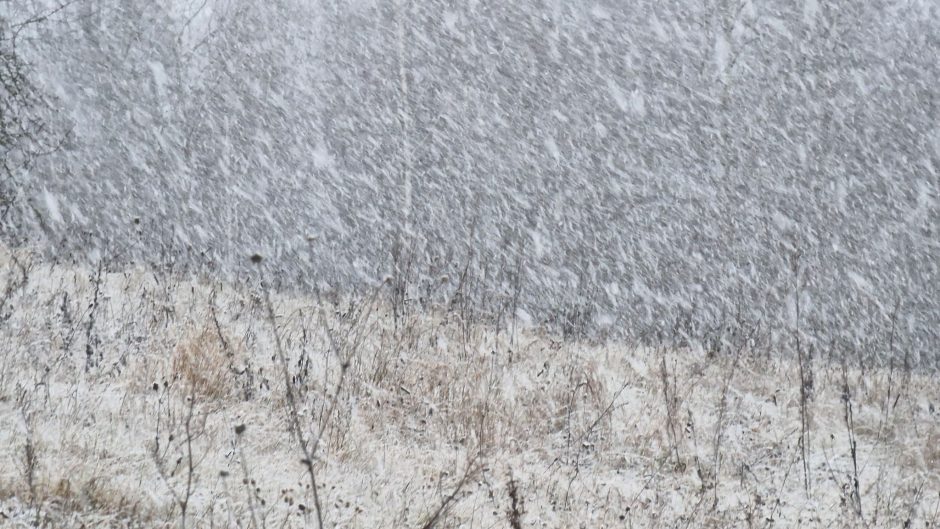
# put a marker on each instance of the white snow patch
(860, 282)
(722, 52)
(540, 244)
(778, 26)
(322, 159)
(160, 77)
(552, 148)
(783, 222)
(810, 12)
(605, 320)
(600, 13)
(616, 93)
(658, 29)
(450, 19)
(52, 206)
(638, 103)
(524, 317)
(934, 138)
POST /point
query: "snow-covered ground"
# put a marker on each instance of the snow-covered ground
(123, 398)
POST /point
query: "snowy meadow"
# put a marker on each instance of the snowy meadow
(130, 398)
(424, 263)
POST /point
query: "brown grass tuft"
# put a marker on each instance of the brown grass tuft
(201, 364)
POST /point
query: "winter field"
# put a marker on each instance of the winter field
(482, 264)
(130, 398)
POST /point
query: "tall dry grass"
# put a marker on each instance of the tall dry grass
(224, 405)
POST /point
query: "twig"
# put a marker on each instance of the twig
(190, 468)
(671, 404)
(849, 417)
(435, 517)
(89, 329)
(293, 415)
(722, 409)
(805, 382)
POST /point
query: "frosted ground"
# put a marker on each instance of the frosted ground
(439, 421)
(652, 264)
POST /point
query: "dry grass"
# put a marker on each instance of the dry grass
(548, 432)
(200, 362)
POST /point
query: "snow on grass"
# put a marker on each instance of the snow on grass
(436, 421)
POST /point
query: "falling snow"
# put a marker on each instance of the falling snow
(685, 151)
